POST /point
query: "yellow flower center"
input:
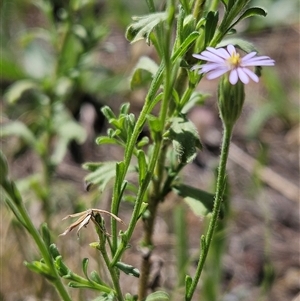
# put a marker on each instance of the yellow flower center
(234, 60)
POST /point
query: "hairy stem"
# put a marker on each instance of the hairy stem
(206, 240)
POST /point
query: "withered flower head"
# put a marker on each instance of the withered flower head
(85, 217)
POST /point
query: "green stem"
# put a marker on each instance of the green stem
(138, 203)
(128, 155)
(100, 228)
(186, 95)
(113, 273)
(206, 241)
(151, 6)
(153, 202)
(198, 9)
(149, 104)
(45, 254)
(41, 246)
(214, 5)
(186, 6)
(96, 286)
(166, 67)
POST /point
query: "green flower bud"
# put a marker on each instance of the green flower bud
(230, 100)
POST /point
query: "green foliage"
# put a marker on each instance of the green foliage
(102, 173)
(185, 139)
(201, 202)
(211, 26)
(123, 126)
(57, 63)
(158, 296)
(143, 26)
(143, 72)
(128, 269)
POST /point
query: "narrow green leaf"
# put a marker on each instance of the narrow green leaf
(122, 190)
(95, 277)
(142, 164)
(102, 175)
(3, 168)
(176, 97)
(239, 43)
(120, 173)
(124, 109)
(200, 201)
(189, 25)
(250, 12)
(143, 209)
(46, 234)
(211, 25)
(85, 263)
(143, 71)
(230, 4)
(19, 129)
(130, 123)
(185, 46)
(74, 284)
(128, 269)
(40, 268)
(108, 113)
(254, 11)
(106, 297)
(155, 125)
(92, 166)
(179, 28)
(188, 283)
(107, 140)
(158, 296)
(62, 269)
(197, 207)
(103, 172)
(143, 26)
(144, 141)
(16, 90)
(196, 98)
(54, 251)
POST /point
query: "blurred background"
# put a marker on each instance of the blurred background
(61, 61)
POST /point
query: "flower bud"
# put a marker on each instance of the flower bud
(230, 100)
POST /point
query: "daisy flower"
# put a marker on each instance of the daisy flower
(221, 60)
